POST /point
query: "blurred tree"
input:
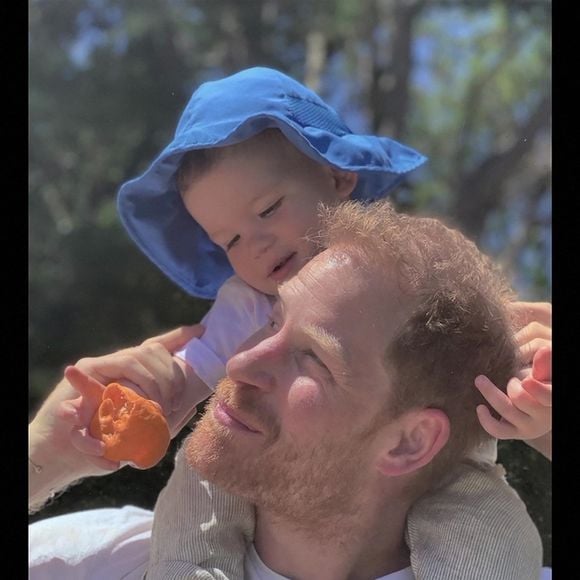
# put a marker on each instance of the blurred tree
(467, 83)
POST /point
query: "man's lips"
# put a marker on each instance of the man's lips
(281, 270)
(230, 418)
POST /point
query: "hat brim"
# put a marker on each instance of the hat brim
(152, 211)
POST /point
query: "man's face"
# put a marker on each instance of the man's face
(293, 428)
(258, 205)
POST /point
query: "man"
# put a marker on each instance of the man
(354, 401)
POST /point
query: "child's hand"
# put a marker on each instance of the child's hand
(532, 323)
(526, 409)
(79, 413)
(132, 428)
(148, 369)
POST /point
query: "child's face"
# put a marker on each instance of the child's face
(258, 205)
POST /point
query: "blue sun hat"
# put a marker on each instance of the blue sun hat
(228, 111)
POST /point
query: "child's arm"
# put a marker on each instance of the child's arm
(526, 409)
(149, 369)
(141, 429)
(165, 364)
(199, 531)
(55, 458)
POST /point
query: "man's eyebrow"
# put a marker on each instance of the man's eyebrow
(327, 341)
(337, 359)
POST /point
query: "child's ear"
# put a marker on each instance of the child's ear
(344, 182)
(412, 441)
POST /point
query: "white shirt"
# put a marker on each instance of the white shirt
(238, 312)
(255, 569)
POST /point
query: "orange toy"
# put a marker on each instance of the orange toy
(131, 427)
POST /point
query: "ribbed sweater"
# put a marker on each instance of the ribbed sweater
(475, 527)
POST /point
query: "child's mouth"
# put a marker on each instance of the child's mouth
(281, 270)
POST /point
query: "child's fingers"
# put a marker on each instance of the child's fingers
(124, 368)
(497, 429)
(540, 391)
(169, 379)
(538, 384)
(520, 398)
(533, 330)
(91, 395)
(68, 411)
(87, 386)
(523, 313)
(92, 447)
(521, 415)
(148, 369)
(528, 350)
(115, 367)
(542, 364)
(523, 373)
(499, 401)
(85, 443)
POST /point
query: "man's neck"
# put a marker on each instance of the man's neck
(368, 545)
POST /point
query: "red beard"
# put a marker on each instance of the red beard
(306, 484)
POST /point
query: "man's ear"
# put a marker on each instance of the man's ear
(413, 441)
(344, 182)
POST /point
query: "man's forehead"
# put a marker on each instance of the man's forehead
(361, 288)
(335, 262)
(326, 271)
(335, 257)
(338, 280)
(346, 305)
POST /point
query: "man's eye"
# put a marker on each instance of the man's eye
(268, 212)
(232, 243)
(310, 354)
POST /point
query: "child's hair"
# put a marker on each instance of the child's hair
(457, 325)
(197, 162)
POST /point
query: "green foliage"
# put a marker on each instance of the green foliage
(94, 294)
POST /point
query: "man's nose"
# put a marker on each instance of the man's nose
(257, 363)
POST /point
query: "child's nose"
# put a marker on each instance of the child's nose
(261, 243)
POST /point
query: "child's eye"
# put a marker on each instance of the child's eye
(232, 243)
(268, 212)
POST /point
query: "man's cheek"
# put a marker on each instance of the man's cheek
(305, 400)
